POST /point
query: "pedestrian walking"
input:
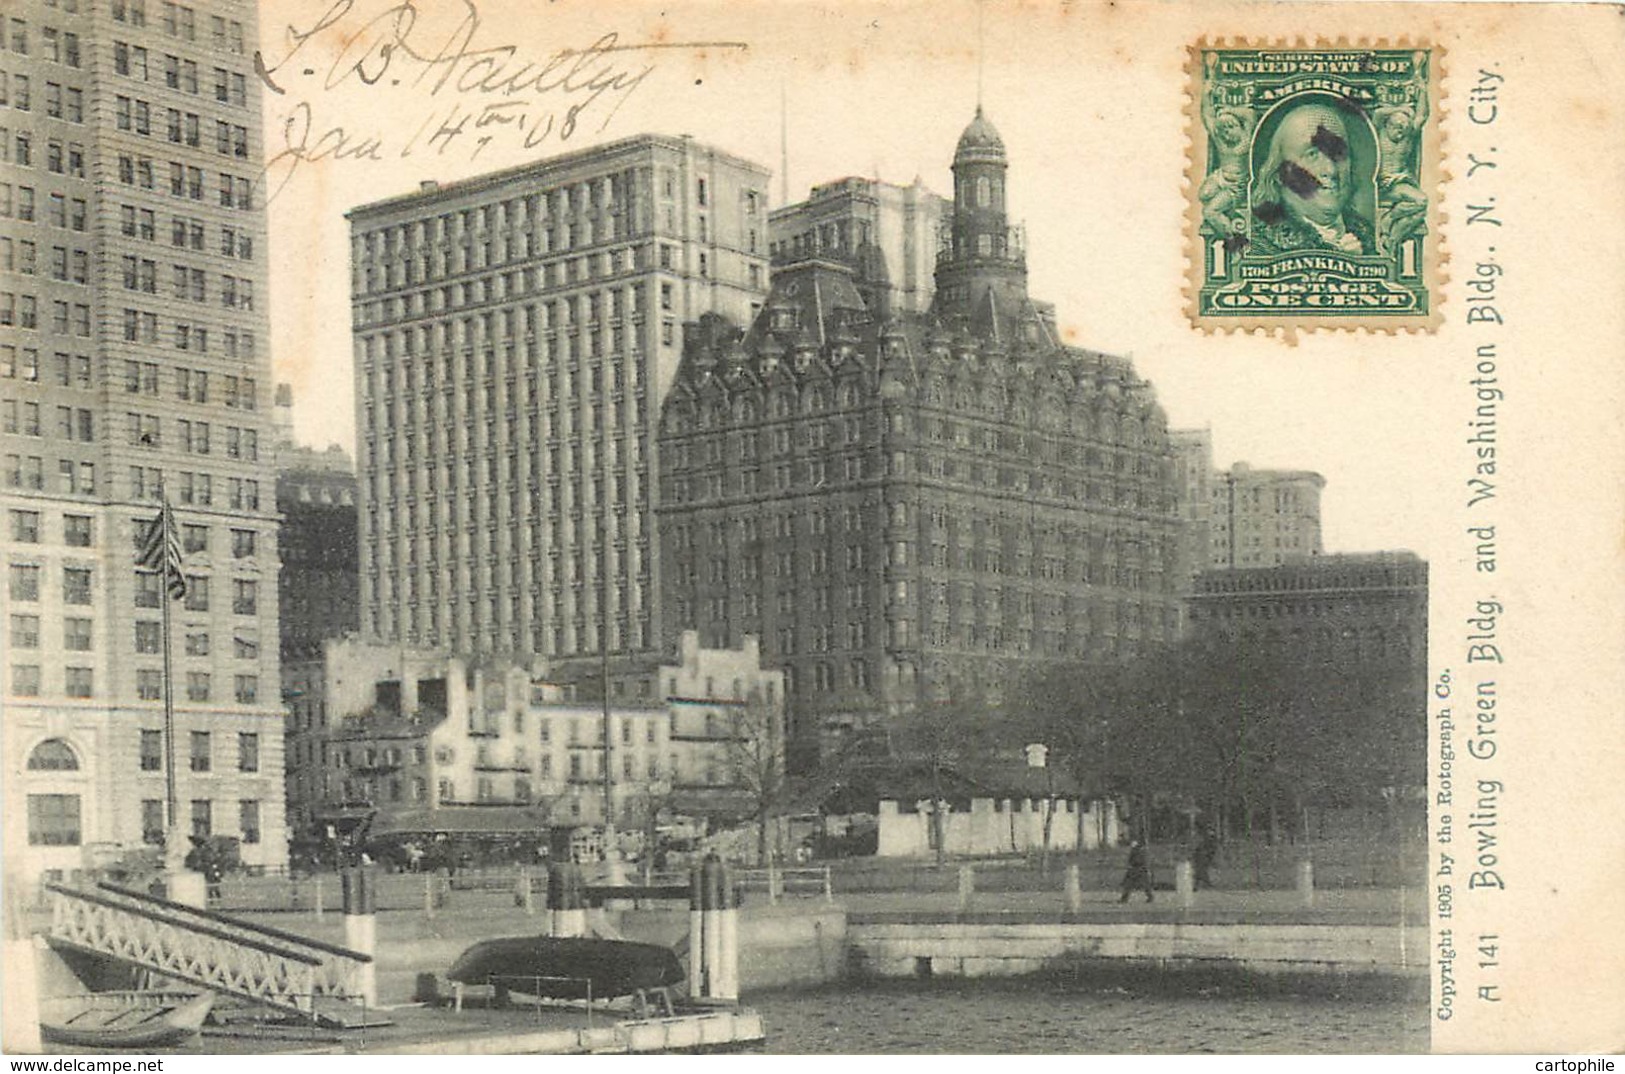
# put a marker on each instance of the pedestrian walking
(1137, 877)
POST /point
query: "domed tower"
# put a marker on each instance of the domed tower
(981, 253)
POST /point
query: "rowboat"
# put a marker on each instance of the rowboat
(559, 967)
(124, 1019)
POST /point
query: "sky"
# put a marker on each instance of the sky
(1090, 105)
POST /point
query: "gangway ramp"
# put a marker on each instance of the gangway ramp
(257, 963)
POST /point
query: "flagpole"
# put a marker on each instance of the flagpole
(173, 856)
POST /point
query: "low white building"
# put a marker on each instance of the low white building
(997, 810)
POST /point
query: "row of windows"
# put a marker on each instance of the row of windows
(77, 532)
(179, 74)
(502, 287)
(77, 633)
(185, 181)
(53, 820)
(80, 682)
(146, 483)
(192, 385)
(181, 128)
(184, 233)
(482, 620)
(192, 437)
(449, 262)
(24, 584)
(63, 212)
(200, 751)
(783, 440)
(567, 379)
(61, 158)
(191, 284)
(76, 478)
(611, 193)
(180, 21)
(68, 264)
(23, 419)
(22, 311)
(56, 45)
(65, 102)
(476, 337)
(191, 487)
(142, 326)
(25, 528)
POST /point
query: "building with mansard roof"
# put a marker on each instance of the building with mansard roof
(920, 507)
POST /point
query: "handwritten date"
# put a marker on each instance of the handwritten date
(476, 93)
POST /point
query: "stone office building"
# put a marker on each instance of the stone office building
(919, 508)
(514, 337)
(133, 363)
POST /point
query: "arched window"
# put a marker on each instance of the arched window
(984, 192)
(53, 755)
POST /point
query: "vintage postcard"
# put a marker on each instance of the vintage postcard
(864, 527)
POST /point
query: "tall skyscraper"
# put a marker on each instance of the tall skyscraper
(514, 337)
(1263, 518)
(888, 233)
(921, 507)
(133, 364)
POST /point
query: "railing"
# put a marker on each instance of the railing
(814, 881)
(255, 962)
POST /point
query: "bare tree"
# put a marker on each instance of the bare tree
(943, 737)
(756, 764)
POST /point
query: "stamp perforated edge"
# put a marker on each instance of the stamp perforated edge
(1435, 174)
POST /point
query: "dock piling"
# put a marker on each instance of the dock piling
(967, 887)
(1185, 884)
(359, 893)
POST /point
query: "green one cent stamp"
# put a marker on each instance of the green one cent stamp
(1313, 172)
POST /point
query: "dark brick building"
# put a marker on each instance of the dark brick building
(917, 508)
(320, 582)
(1347, 636)
(1366, 608)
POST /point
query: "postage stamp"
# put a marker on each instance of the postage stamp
(1314, 187)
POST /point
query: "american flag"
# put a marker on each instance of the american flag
(161, 552)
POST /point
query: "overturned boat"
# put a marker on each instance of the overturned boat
(568, 967)
(124, 1019)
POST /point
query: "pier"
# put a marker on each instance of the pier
(963, 920)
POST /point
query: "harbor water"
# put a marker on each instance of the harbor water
(1032, 1016)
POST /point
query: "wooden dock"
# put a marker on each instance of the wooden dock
(517, 1030)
